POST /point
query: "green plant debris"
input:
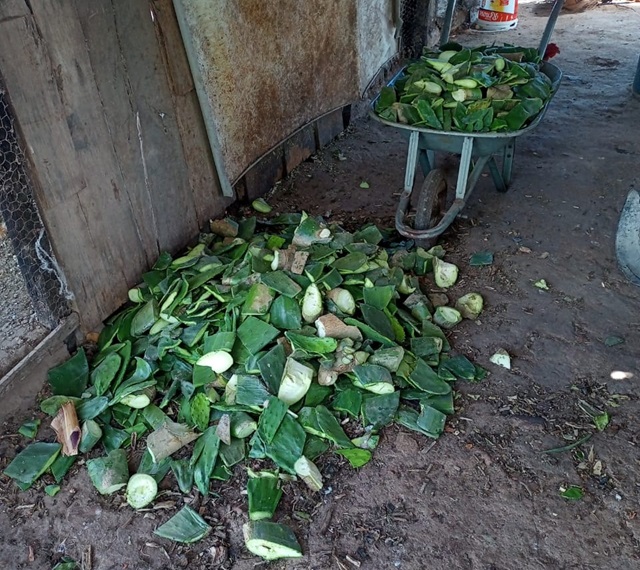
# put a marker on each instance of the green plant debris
(52, 490)
(600, 418)
(481, 259)
(263, 342)
(468, 90)
(571, 446)
(32, 462)
(29, 429)
(264, 494)
(185, 526)
(109, 474)
(613, 340)
(501, 358)
(356, 457)
(66, 564)
(601, 421)
(271, 540)
(260, 205)
(71, 377)
(572, 493)
(541, 284)
(364, 184)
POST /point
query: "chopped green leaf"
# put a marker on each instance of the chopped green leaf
(357, 457)
(256, 334)
(348, 401)
(572, 493)
(185, 526)
(71, 377)
(29, 429)
(60, 467)
(461, 367)
(271, 418)
(281, 283)
(312, 344)
(481, 258)
(541, 284)
(613, 340)
(601, 421)
(52, 490)
(379, 411)
(109, 474)
(287, 444)
(321, 422)
(285, 313)
(264, 494)
(32, 462)
(200, 411)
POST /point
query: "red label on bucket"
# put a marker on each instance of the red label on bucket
(498, 15)
(500, 6)
(489, 16)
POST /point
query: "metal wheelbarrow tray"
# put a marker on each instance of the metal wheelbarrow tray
(476, 150)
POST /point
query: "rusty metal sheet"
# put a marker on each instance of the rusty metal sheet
(263, 68)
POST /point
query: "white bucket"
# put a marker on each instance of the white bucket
(498, 15)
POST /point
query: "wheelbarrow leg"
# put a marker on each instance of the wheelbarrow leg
(498, 179)
(465, 164)
(507, 163)
(412, 158)
(427, 160)
(431, 156)
(409, 178)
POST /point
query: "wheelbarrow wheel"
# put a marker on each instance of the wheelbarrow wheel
(431, 201)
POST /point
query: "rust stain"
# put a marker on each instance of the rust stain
(271, 66)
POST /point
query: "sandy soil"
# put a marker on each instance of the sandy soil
(483, 496)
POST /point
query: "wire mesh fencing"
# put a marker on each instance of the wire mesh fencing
(23, 226)
(414, 15)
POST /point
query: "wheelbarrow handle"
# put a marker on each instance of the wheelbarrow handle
(448, 19)
(551, 24)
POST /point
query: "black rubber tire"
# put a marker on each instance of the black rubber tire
(431, 200)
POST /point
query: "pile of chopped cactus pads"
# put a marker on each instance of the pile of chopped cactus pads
(484, 89)
(271, 344)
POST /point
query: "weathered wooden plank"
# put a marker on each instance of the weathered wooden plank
(164, 160)
(109, 219)
(13, 9)
(179, 74)
(104, 98)
(98, 22)
(203, 178)
(29, 78)
(91, 227)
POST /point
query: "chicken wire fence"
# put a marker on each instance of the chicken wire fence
(414, 15)
(43, 277)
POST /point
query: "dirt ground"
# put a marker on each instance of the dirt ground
(483, 496)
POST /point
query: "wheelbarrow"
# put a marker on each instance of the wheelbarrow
(477, 151)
